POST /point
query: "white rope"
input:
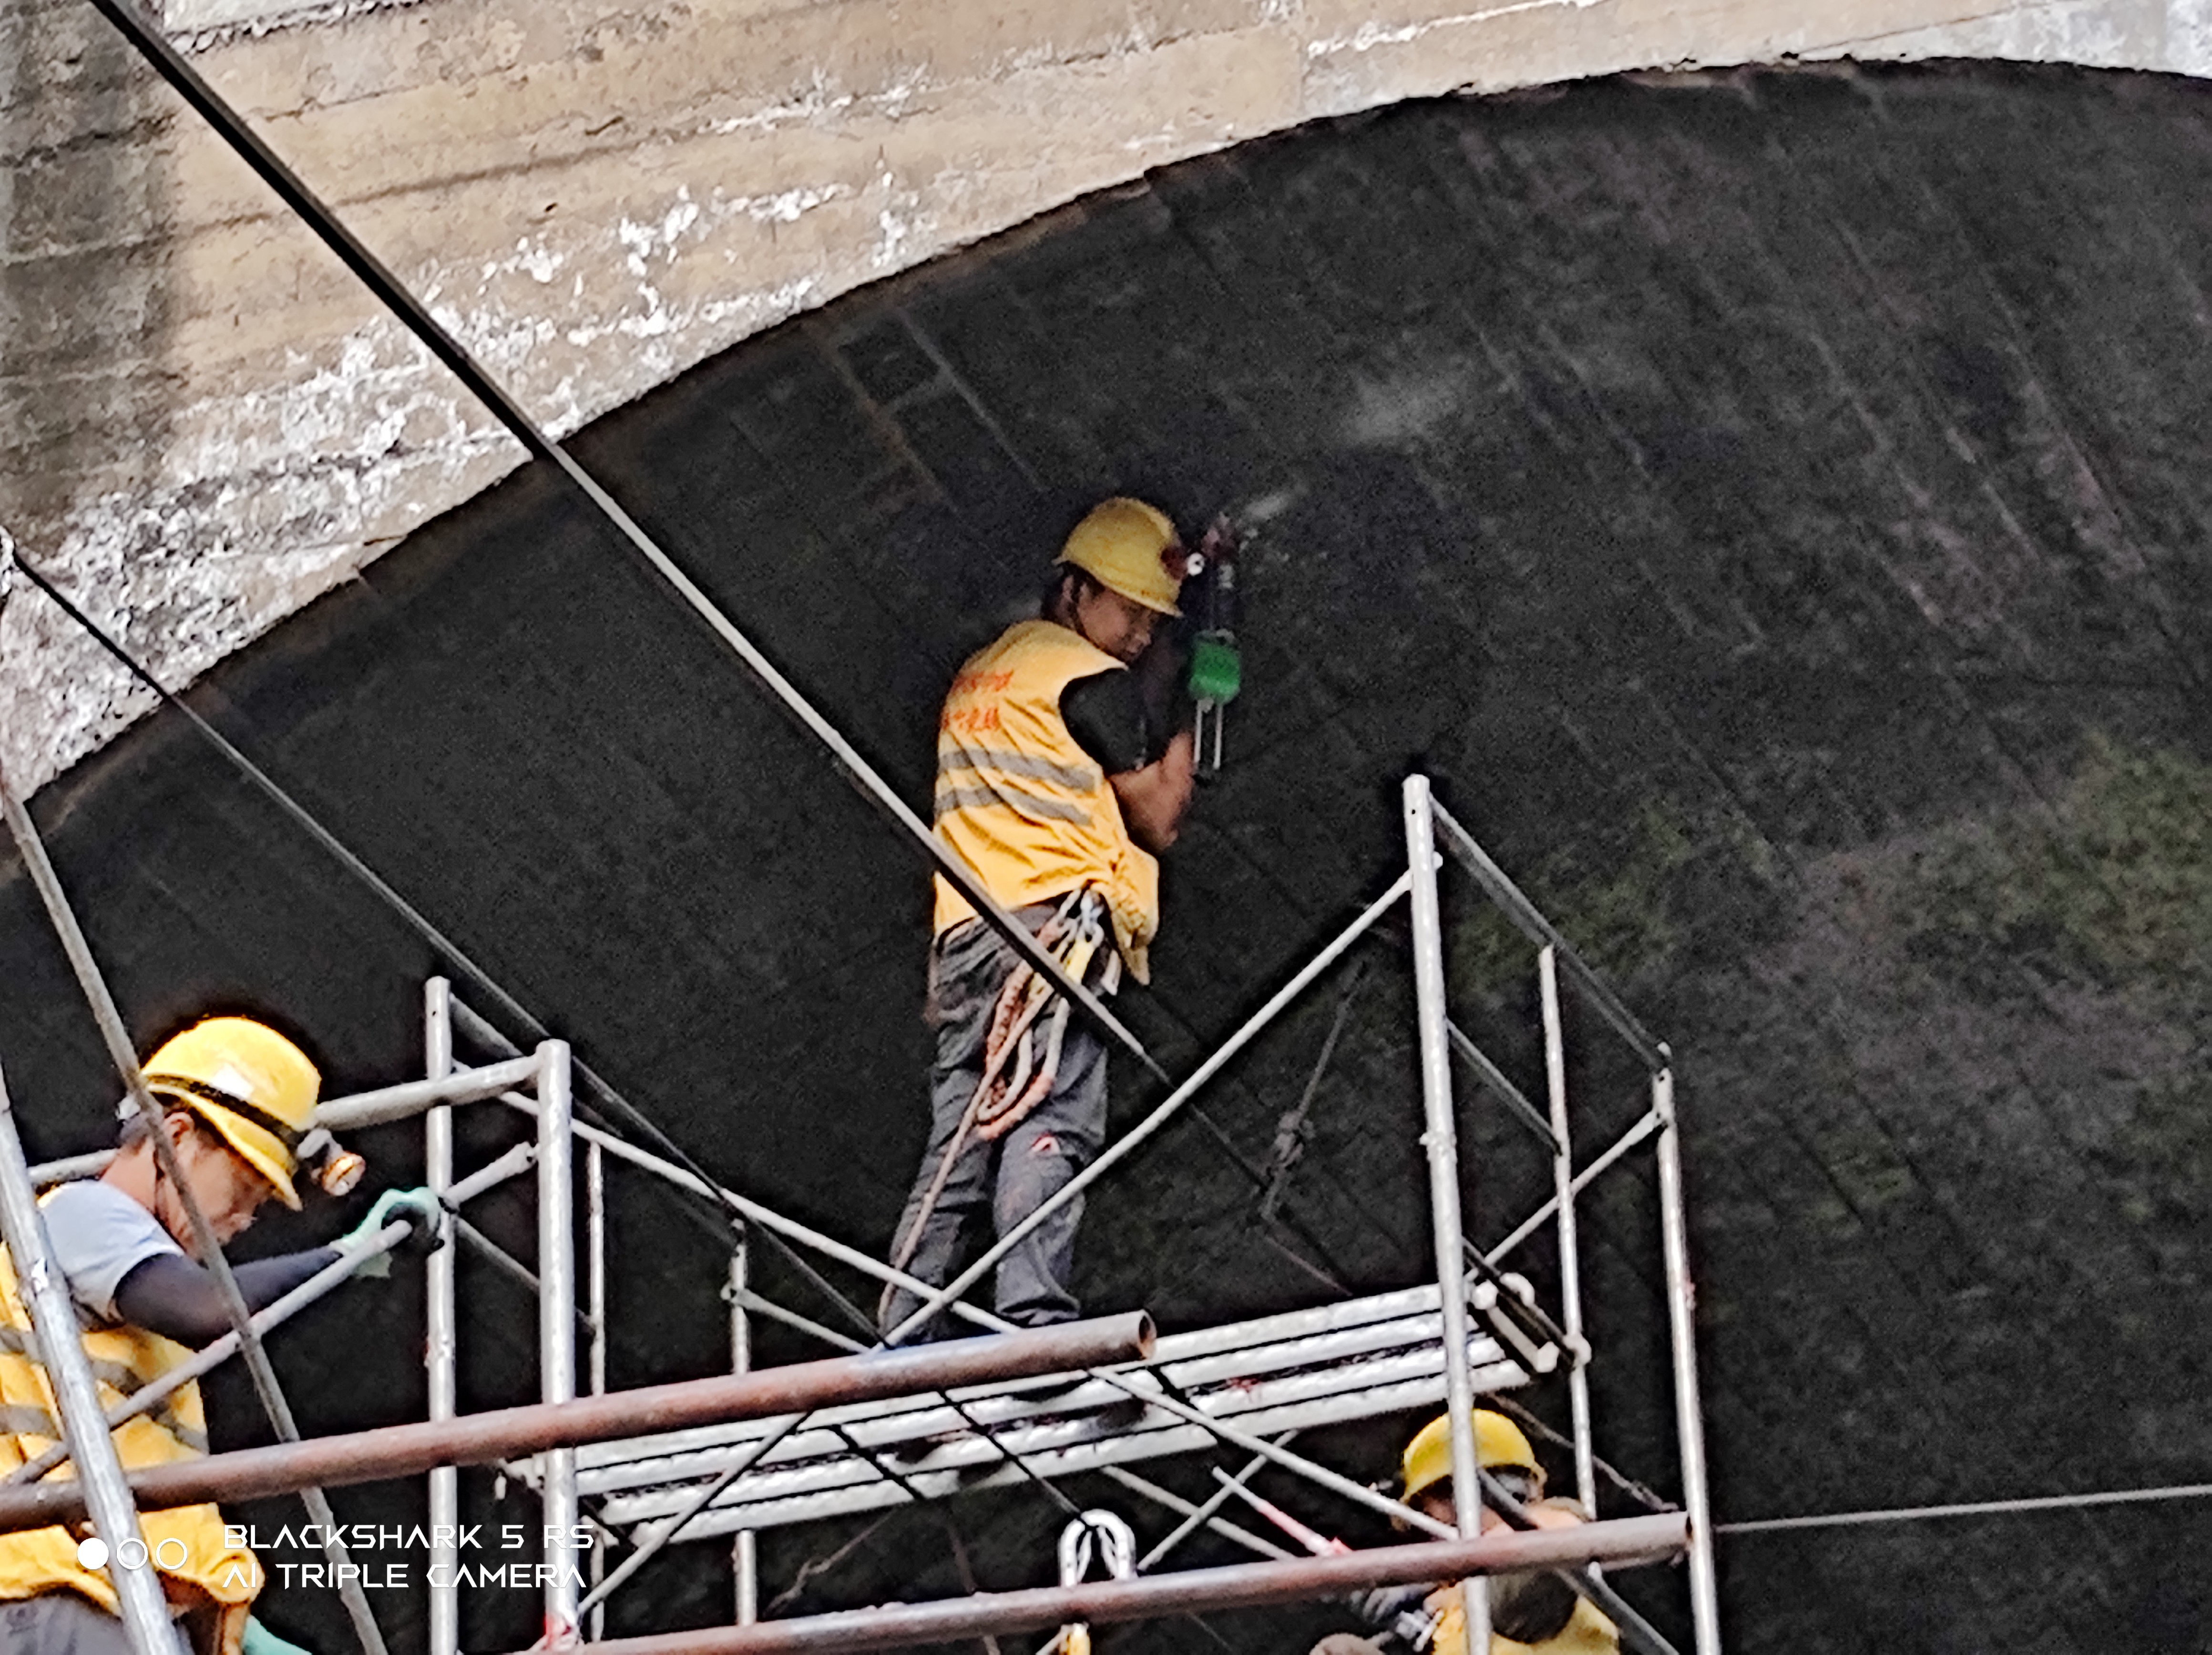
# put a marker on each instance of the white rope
(1975, 1508)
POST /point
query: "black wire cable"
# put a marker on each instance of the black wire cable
(621, 1107)
(405, 306)
(163, 56)
(444, 946)
(412, 313)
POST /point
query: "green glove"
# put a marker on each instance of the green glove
(418, 1207)
(259, 1641)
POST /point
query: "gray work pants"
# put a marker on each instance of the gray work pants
(1015, 1174)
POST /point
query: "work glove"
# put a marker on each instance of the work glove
(419, 1208)
(1381, 1606)
(259, 1641)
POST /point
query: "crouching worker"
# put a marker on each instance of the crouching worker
(1533, 1610)
(236, 1098)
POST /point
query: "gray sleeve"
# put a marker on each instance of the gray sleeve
(100, 1235)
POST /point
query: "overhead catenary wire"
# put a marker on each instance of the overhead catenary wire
(869, 782)
(415, 315)
(733, 1210)
(1968, 1508)
(171, 64)
(451, 353)
(273, 171)
(454, 356)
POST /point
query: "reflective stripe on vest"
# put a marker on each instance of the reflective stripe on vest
(188, 1543)
(1032, 805)
(1021, 803)
(115, 1376)
(1076, 779)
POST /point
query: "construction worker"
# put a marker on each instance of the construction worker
(1533, 1610)
(1059, 783)
(236, 1098)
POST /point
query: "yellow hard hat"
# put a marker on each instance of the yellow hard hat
(248, 1084)
(1129, 547)
(1498, 1442)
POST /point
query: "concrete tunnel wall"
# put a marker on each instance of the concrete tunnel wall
(1772, 505)
(203, 422)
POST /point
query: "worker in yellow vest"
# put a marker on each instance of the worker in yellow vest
(237, 1096)
(1059, 784)
(1532, 1611)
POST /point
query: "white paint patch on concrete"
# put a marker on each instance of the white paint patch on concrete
(814, 104)
(820, 103)
(196, 25)
(509, 337)
(2189, 37)
(2173, 36)
(658, 325)
(788, 207)
(265, 501)
(270, 497)
(662, 238)
(1370, 35)
(898, 220)
(533, 258)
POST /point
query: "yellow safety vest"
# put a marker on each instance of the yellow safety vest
(1022, 804)
(1586, 1632)
(186, 1544)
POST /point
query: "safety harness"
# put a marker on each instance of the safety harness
(1074, 936)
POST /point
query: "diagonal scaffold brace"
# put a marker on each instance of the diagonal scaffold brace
(69, 1373)
(316, 214)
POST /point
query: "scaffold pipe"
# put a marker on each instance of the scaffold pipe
(316, 1287)
(1441, 1141)
(507, 1434)
(1531, 923)
(349, 1114)
(68, 1373)
(1194, 1592)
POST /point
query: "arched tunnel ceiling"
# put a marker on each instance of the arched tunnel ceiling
(1770, 505)
(205, 421)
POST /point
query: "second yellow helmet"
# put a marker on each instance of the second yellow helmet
(1126, 546)
(1498, 1442)
(250, 1084)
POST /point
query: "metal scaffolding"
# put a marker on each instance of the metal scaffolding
(1251, 1387)
(1475, 1328)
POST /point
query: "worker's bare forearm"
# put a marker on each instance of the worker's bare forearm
(1153, 799)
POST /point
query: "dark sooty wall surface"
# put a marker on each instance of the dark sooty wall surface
(1772, 509)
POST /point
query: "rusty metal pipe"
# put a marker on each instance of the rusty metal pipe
(507, 1433)
(905, 1626)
